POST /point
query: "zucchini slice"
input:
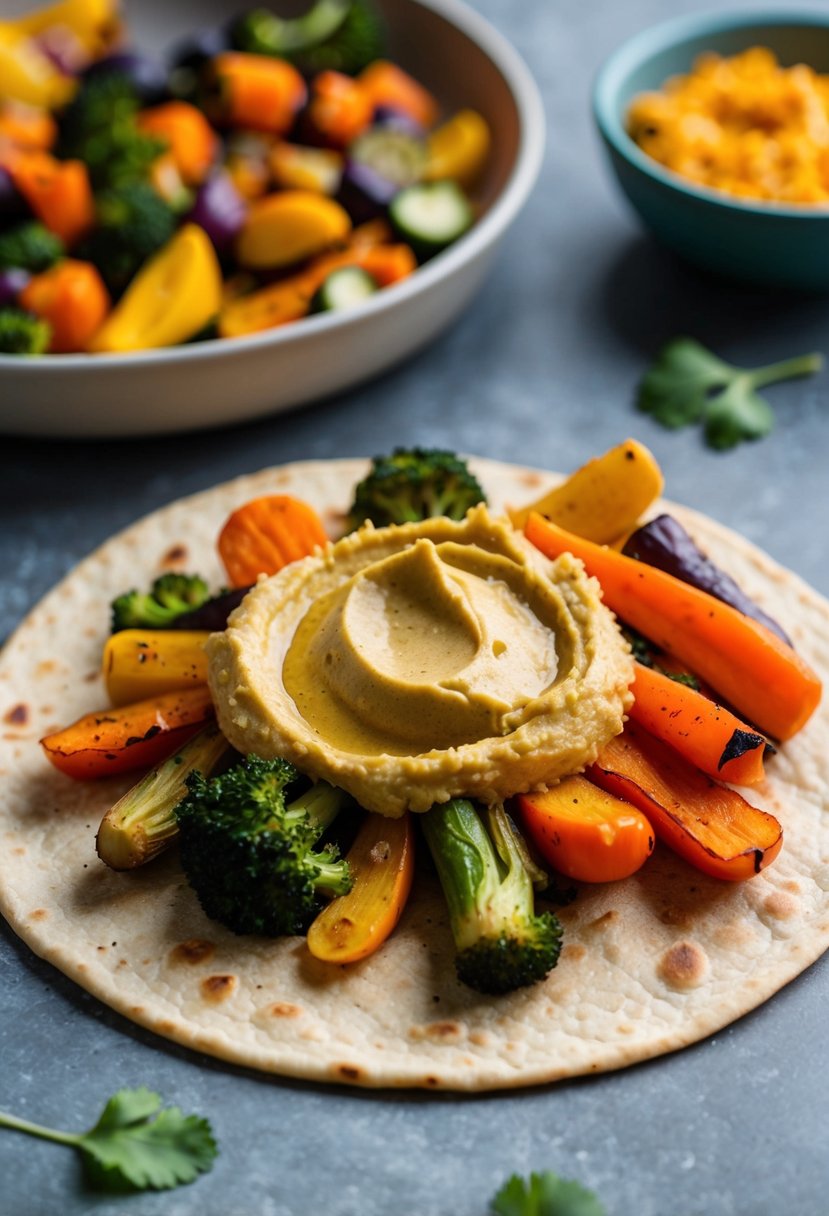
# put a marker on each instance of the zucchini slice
(344, 288)
(430, 216)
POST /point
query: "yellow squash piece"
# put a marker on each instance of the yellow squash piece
(603, 499)
(176, 294)
(95, 23)
(27, 75)
(288, 227)
(382, 867)
(459, 149)
(143, 663)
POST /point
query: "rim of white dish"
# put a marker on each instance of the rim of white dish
(498, 217)
(662, 37)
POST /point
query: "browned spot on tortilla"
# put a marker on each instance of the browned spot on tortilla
(217, 988)
(283, 1009)
(19, 851)
(91, 631)
(137, 1009)
(780, 905)
(680, 918)
(195, 950)
(103, 948)
(38, 914)
(175, 555)
(18, 715)
(574, 953)
(624, 1028)
(734, 935)
(531, 479)
(439, 1032)
(481, 1038)
(122, 962)
(349, 1072)
(684, 965)
(792, 885)
(165, 1026)
(431, 1082)
(46, 666)
(604, 922)
(91, 676)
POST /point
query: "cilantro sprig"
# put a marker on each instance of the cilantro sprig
(688, 384)
(135, 1144)
(545, 1195)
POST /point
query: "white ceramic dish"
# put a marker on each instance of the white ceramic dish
(467, 63)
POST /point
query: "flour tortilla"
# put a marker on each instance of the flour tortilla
(650, 964)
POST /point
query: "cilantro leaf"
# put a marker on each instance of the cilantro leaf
(687, 383)
(135, 1144)
(545, 1195)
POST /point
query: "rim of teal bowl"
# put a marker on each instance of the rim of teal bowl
(651, 41)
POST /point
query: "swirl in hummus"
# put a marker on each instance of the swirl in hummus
(410, 665)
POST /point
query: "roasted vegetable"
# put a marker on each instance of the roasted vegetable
(22, 334)
(381, 162)
(30, 246)
(213, 613)
(27, 74)
(141, 663)
(391, 88)
(174, 296)
(705, 733)
(414, 484)
(343, 289)
(248, 846)
(72, 298)
(146, 75)
(143, 823)
(289, 227)
(186, 133)
(345, 35)
(58, 192)
(711, 826)
(170, 596)
(487, 878)
(100, 129)
(134, 736)
(381, 863)
(12, 282)
(746, 663)
(255, 94)
(131, 224)
(458, 150)
(664, 543)
(586, 833)
(266, 534)
(431, 216)
(603, 499)
(339, 109)
(220, 210)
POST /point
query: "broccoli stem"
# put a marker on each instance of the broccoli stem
(322, 803)
(143, 823)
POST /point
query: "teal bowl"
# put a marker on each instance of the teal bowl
(769, 244)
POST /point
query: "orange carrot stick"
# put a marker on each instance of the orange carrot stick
(388, 85)
(340, 108)
(747, 664)
(711, 826)
(72, 297)
(193, 143)
(134, 736)
(585, 832)
(381, 861)
(257, 93)
(58, 192)
(266, 534)
(705, 733)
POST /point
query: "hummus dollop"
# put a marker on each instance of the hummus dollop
(410, 665)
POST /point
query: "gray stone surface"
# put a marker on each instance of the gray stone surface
(541, 371)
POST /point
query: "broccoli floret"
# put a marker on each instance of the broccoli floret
(99, 127)
(249, 853)
(143, 823)
(487, 877)
(414, 484)
(345, 35)
(170, 596)
(30, 246)
(23, 334)
(132, 223)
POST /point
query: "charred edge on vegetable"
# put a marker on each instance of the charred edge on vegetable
(741, 741)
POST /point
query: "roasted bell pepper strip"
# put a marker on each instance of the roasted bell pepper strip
(706, 734)
(340, 109)
(711, 826)
(256, 93)
(586, 833)
(285, 228)
(381, 862)
(142, 663)
(134, 736)
(95, 23)
(58, 191)
(605, 497)
(459, 149)
(72, 297)
(266, 534)
(27, 74)
(746, 663)
(171, 298)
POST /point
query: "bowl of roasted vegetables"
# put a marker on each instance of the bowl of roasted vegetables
(714, 126)
(205, 216)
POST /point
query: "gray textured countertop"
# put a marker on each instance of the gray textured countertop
(540, 371)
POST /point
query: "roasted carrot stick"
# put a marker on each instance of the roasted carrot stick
(134, 736)
(257, 93)
(142, 663)
(72, 297)
(747, 664)
(58, 191)
(388, 85)
(266, 534)
(193, 143)
(585, 832)
(381, 861)
(707, 735)
(711, 826)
